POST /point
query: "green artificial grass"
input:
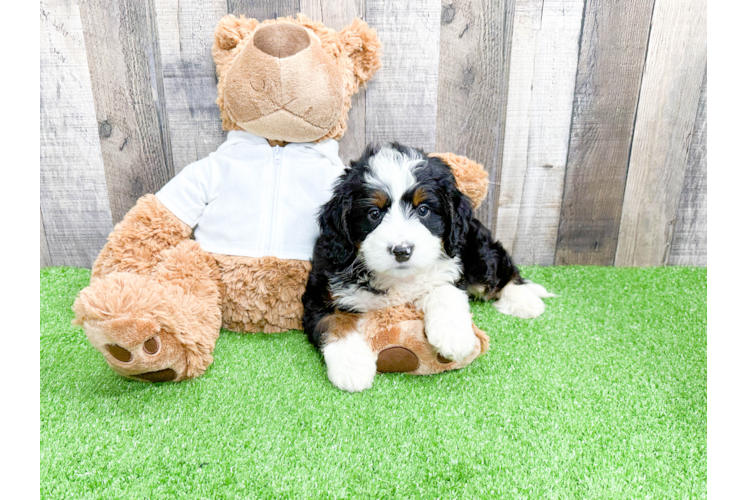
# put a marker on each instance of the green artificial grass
(603, 396)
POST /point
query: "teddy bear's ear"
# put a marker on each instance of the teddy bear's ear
(229, 32)
(471, 177)
(363, 47)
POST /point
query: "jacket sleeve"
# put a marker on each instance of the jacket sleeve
(190, 191)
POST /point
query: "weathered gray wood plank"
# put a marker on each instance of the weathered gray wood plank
(337, 14)
(545, 48)
(689, 240)
(263, 9)
(666, 113)
(126, 77)
(44, 257)
(473, 83)
(611, 63)
(74, 204)
(401, 99)
(185, 35)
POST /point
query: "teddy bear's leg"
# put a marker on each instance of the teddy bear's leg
(157, 327)
(407, 350)
(263, 294)
(398, 338)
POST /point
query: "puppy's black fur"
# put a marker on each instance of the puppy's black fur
(345, 222)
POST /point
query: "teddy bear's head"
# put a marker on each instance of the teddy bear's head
(291, 79)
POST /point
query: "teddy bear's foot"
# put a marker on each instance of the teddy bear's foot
(406, 349)
(146, 329)
(138, 348)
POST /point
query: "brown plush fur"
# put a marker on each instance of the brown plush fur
(471, 177)
(156, 301)
(137, 241)
(262, 294)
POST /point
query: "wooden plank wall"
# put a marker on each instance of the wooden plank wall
(589, 115)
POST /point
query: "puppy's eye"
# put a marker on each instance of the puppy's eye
(423, 211)
(374, 214)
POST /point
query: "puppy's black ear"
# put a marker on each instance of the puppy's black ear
(335, 237)
(460, 213)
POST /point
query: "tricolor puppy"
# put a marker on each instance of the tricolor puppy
(398, 231)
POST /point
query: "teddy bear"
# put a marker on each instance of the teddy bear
(227, 242)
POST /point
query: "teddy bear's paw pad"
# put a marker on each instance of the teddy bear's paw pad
(396, 359)
(166, 375)
(441, 359)
(119, 353)
(150, 346)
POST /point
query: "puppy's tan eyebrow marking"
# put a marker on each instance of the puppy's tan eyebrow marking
(380, 199)
(419, 196)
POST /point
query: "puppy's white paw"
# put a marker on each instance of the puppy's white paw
(351, 365)
(452, 339)
(523, 300)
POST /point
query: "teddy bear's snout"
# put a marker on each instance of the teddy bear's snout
(281, 40)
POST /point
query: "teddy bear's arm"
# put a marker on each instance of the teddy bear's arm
(137, 241)
(159, 221)
(471, 177)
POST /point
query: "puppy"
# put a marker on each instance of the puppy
(398, 231)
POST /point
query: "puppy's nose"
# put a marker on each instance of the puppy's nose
(281, 40)
(402, 252)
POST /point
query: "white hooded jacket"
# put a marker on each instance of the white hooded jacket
(250, 199)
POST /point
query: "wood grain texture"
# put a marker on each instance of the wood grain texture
(689, 240)
(185, 36)
(401, 99)
(126, 77)
(666, 113)
(263, 9)
(44, 257)
(611, 63)
(473, 82)
(545, 48)
(74, 204)
(337, 14)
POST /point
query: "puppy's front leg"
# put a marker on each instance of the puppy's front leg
(448, 322)
(351, 365)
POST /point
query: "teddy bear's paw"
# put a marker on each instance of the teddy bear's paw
(138, 348)
(351, 365)
(148, 330)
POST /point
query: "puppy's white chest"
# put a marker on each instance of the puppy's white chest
(393, 291)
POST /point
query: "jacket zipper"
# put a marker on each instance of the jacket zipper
(277, 162)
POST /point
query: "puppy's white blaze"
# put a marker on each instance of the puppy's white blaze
(448, 322)
(522, 301)
(351, 365)
(392, 172)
